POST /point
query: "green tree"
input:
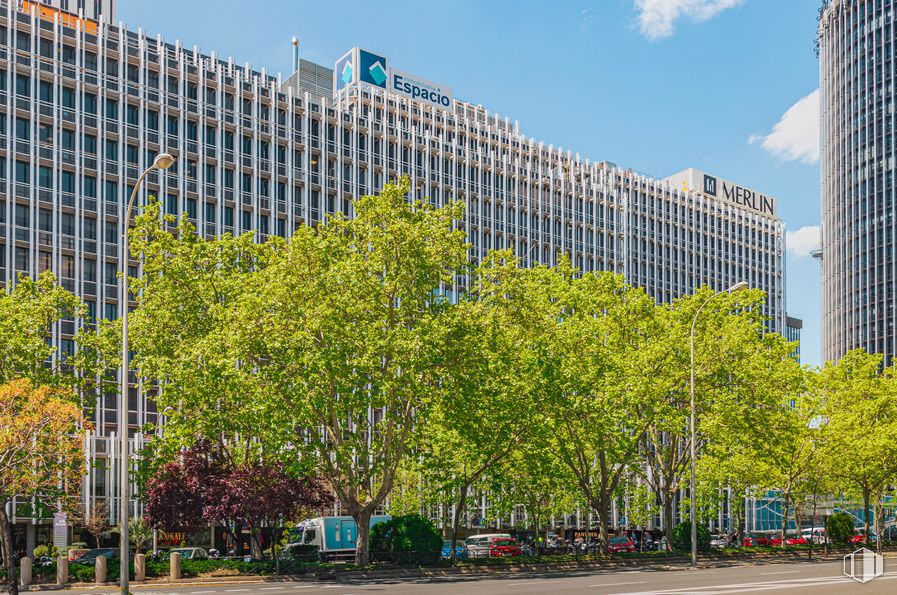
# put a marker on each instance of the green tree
(606, 392)
(340, 327)
(741, 374)
(860, 427)
(642, 506)
(494, 387)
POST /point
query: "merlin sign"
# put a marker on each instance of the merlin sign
(359, 66)
(720, 189)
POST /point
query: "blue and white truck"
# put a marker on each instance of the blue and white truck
(335, 536)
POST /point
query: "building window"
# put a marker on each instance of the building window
(112, 150)
(90, 186)
(68, 97)
(22, 171)
(67, 224)
(22, 259)
(45, 177)
(23, 129)
(67, 181)
(247, 220)
(132, 154)
(45, 220)
(111, 192)
(229, 216)
(23, 85)
(23, 216)
(111, 109)
(133, 115)
(45, 91)
(90, 103)
(90, 144)
(68, 139)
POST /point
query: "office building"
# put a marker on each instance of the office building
(859, 231)
(85, 106)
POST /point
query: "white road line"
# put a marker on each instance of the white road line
(617, 584)
(236, 590)
(272, 589)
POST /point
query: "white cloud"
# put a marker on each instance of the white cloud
(586, 18)
(801, 242)
(796, 135)
(656, 18)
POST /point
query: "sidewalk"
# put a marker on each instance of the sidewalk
(707, 560)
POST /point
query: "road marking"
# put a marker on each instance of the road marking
(236, 590)
(617, 584)
(783, 572)
(277, 588)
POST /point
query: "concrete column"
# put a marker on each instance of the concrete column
(30, 539)
(175, 563)
(62, 570)
(140, 567)
(25, 571)
(100, 569)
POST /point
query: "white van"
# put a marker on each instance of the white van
(480, 546)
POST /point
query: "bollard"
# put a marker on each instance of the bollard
(25, 571)
(139, 567)
(100, 570)
(175, 564)
(62, 570)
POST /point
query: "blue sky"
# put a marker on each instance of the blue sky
(726, 86)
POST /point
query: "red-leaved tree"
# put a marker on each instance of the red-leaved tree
(205, 487)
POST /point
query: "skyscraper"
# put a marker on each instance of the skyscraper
(859, 232)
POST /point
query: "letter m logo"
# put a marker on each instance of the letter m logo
(709, 185)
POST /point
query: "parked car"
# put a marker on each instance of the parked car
(620, 543)
(191, 553)
(460, 550)
(756, 539)
(776, 540)
(492, 545)
(503, 547)
(814, 535)
(719, 541)
(860, 537)
(90, 557)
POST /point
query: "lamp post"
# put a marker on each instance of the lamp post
(741, 285)
(162, 161)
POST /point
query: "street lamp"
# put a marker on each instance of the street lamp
(740, 286)
(162, 161)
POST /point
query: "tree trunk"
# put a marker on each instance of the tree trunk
(255, 543)
(9, 558)
(668, 519)
(362, 518)
(537, 542)
(865, 514)
(878, 528)
(602, 507)
(785, 509)
(462, 504)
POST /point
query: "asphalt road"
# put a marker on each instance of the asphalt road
(819, 578)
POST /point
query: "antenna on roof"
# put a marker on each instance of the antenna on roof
(295, 43)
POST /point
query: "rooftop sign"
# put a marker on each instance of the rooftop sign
(693, 180)
(361, 67)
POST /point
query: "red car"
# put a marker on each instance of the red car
(502, 547)
(776, 540)
(620, 544)
(755, 539)
(860, 537)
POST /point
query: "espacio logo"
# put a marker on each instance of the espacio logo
(372, 69)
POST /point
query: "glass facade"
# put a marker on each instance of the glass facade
(859, 230)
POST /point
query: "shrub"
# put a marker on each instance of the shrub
(682, 537)
(43, 551)
(410, 539)
(840, 527)
(304, 552)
